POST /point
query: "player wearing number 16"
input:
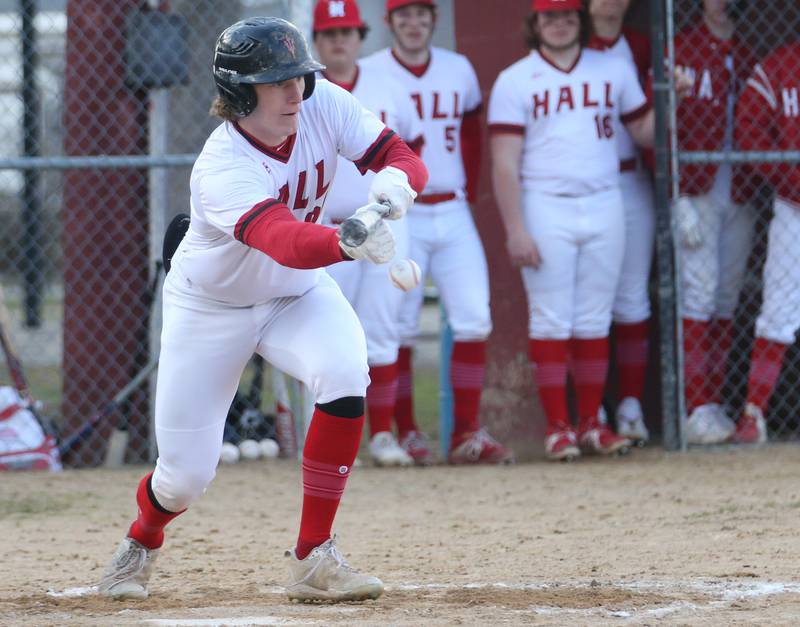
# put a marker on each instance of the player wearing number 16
(552, 117)
(247, 278)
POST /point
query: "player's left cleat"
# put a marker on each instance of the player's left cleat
(385, 451)
(324, 575)
(595, 437)
(478, 447)
(751, 428)
(129, 571)
(630, 421)
(415, 443)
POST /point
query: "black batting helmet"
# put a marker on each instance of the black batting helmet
(260, 50)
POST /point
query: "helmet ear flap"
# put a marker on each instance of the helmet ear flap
(242, 98)
(311, 81)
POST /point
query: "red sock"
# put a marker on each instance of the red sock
(589, 370)
(148, 528)
(695, 362)
(330, 450)
(381, 395)
(765, 368)
(631, 350)
(467, 365)
(549, 363)
(720, 337)
(404, 405)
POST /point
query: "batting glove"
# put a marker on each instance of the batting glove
(687, 217)
(377, 248)
(390, 186)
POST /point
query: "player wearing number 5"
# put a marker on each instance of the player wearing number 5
(247, 278)
(555, 168)
(444, 241)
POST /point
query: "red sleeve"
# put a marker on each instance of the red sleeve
(416, 145)
(471, 145)
(388, 150)
(271, 228)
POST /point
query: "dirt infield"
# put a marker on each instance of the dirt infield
(704, 538)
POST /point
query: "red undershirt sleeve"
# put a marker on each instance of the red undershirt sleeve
(471, 148)
(271, 228)
(388, 150)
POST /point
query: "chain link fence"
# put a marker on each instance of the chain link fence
(738, 216)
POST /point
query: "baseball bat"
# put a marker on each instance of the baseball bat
(285, 427)
(357, 228)
(16, 370)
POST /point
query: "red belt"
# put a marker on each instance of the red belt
(628, 165)
(433, 199)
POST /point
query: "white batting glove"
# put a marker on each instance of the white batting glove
(377, 248)
(390, 186)
(688, 222)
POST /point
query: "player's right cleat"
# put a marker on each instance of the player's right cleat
(751, 428)
(630, 421)
(561, 445)
(708, 424)
(595, 437)
(324, 575)
(129, 571)
(415, 443)
(478, 447)
(385, 451)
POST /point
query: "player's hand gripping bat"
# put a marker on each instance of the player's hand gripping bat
(356, 229)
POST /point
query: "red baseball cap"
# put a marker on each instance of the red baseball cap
(391, 5)
(329, 14)
(556, 5)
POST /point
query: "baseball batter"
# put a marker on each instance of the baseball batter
(553, 118)
(247, 278)
(444, 241)
(338, 33)
(631, 309)
(768, 118)
(714, 221)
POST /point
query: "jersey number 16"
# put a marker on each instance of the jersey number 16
(604, 126)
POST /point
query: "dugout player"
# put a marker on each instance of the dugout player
(631, 309)
(444, 241)
(247, 278)
(553, 119)
(338, 33)
(768, 118)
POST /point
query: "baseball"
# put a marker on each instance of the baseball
(405, 274)
(229, 453)
(269, 448)
(249, 449)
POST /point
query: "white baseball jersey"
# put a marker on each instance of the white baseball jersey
(381, 95)
(236, 179)
(568, 119)
(448, 88)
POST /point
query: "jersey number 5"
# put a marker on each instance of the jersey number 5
(604, 126)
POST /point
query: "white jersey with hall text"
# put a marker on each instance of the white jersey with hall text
(236, 179)
(567, 119)
(447, 89)
(380, 94)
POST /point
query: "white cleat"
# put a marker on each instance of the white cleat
(708, 424)
(324, 575)
(129, 571)
(385, 451)
(630, 421)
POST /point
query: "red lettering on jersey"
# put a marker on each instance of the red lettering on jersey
(299, 201)
(437, 115)
(609, 101)
(321, 189)
(587, 101)
(283, 193)
(456, 110)
(565, 96)
(417, 98)
(540, 103)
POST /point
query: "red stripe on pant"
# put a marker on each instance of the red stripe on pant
(631, 344)
(330, 450)
(549, 365)
(467, 366)
(589, 370)
(381, 397)
(148, 528)
(765, 368)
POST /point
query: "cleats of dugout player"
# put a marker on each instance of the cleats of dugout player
(751, 428)
(415, 443)
(595, 437)
(385, 451)
(630, 421)
(561, 445)
(129, 571)
(708, 424)
(324, 575)
(478, 447)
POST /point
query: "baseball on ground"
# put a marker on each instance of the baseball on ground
(405, 274)
(229, 453)
(269, 448)
(249, 449)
